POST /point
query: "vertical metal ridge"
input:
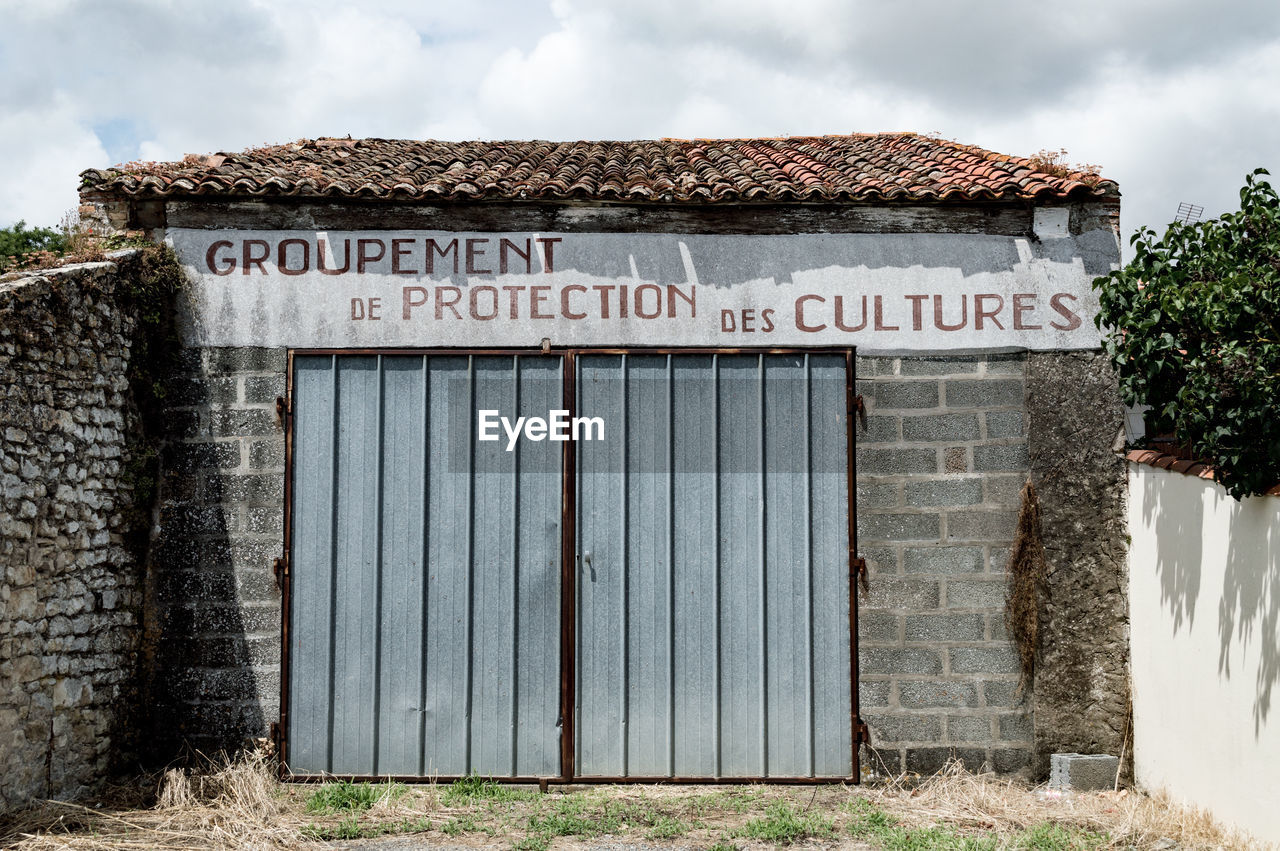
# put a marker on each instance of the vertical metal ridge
(333, 555)
(471, 536)
(671, 571)
(715, 526)
(808, 558)
(380, 443)
(515, 569)
(426, 559)
(762, 515)
(624, 618)
(569, 632)
(851, 474)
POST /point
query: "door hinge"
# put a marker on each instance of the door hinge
(859, 408)
(862, 733)
(282, 410)
(281, 569)
(276, 738)
(858, 571)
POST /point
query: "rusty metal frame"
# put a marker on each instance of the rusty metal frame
(568, 570)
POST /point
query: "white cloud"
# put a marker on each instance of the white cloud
(1177, 105)
(43, 142)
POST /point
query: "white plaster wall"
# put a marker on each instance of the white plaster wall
(1204, 600)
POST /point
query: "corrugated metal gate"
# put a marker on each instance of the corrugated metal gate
(682, 584)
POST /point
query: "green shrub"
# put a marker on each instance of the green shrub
(1193, 327)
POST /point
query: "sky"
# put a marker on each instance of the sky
(1175, 100)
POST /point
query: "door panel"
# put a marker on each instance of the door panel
(712, 540)
(425, 569)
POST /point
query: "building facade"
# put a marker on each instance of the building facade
(808, 379)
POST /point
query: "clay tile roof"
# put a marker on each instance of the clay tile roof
(862, 167)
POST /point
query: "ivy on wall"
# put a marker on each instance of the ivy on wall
(1193, 326)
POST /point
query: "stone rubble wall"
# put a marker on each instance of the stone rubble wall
(70, 591)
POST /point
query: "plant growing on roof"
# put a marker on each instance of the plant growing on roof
(1194, 330)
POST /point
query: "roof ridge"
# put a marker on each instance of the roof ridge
(857, 167)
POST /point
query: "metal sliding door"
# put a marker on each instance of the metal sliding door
(712, 543)
(424, 604)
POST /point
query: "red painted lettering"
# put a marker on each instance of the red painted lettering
(442, 302)
(527, 255)
(210, 259)
(564, 301)
(249, 259)
(937, 314)
(1073, 320)
(320, 255)
(433, 248)
(407, 303)
(1019, 308)
(397, 251)
(980, 314)
(800, 323)
(282, 255)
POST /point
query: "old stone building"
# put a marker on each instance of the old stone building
(803, 352)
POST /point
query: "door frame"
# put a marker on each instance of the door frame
(568, 556)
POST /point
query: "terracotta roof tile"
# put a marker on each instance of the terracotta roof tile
(1178, 464)
(863, 167)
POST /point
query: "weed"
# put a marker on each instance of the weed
(570, 817)
(344, 796)
(666, 827)
(534, 842)
(466, 824)
(1054, 837)
(351, 828)
(724, 846)
(782, 824)
(475, 788)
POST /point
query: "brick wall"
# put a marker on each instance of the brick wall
(940, 467)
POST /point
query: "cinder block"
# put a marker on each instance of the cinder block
(997, 525)
(997, 458)
(984, 660)
(925, 694)
(1004, 424)
(947, 560)
(940, 366)
(945, 628)
(869, 495)
(984, 393)
(873, 693)
(880, 428)
(879, 627)
(1082, 772)
(941, 427)
(944, 492)
(904, 728)
(899, 527)
(905, 394)
(892, 592)
(895, 462)
(969, 728)
(899, 660)
(263, 388)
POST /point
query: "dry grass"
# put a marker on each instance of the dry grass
(241, 805)
(1005, 806)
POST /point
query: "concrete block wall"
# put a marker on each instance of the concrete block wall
(940, 467)
(215, 628)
